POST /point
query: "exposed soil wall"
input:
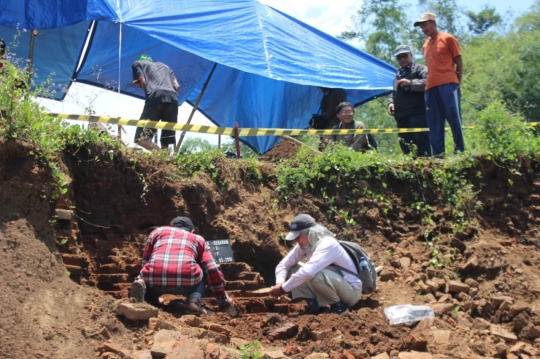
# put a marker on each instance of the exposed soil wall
(97, 232)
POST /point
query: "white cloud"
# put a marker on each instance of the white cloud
(332, 17)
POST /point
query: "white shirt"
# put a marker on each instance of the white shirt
(327, 252)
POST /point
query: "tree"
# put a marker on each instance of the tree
(382, 25)
(483, 21)
(196, 144)
(446, 12)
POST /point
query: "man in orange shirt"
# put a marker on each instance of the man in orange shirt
(443, 94)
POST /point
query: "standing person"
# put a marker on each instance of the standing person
(358, 142)
(407, 103)
(160, 88)
(176, 261)
(330, 100)
(443, 94)
(318, 281)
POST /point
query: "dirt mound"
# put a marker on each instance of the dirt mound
(282, 151)
(481, 280)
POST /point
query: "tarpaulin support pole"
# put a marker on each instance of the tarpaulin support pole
(219, 142)
(237, 140)
(33, 35)
(177, 147)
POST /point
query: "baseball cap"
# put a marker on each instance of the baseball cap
(182, 222)
(425, 17)
(145, 57)
(298, 224)
(402, 49)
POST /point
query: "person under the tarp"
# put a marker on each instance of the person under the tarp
(160, 88)
(177, 261)
(358, 142)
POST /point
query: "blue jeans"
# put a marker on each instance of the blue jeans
(443, 102)
(191, 292)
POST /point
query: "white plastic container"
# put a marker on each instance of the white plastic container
(408, 314)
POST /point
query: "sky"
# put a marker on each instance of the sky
(332, 17)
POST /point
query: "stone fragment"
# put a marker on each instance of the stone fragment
(185, 348)
(141, 354)
(405, 262)
(480, 324)
(516, 348)
(114, 348)
(441, 336)
(317, 356)
(454, 286)
(498, 300)
(445, 298)
(414, 355)
(320, 334)
(288, 330)
(381, 356)
(503, 334)
(425, 323)
(417, 341)
(191, 320)
(519, 308)
(164, 341)
(434, 286)
(471, 283)
(137, 311)
(212, 351)
(530, 350)
(238, 342)
(521, 321)
(272, 354)
(470, 265)
(501, 349)
(530, 332)
(388, 274)
(292, 350)
(64, 214)
(442, 308)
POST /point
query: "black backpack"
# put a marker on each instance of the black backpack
(369, 276)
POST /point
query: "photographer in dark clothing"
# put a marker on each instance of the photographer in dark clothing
(407, 103)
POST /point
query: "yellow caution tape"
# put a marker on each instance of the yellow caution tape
(229, 131)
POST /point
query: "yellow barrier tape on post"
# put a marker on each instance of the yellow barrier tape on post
(229, 131)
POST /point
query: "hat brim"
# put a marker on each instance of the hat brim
(292, 235)
(402, 52)
(419, 22)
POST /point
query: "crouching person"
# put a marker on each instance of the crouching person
(177, 261)
(318, 281)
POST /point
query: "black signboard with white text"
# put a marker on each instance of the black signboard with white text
(221, 250)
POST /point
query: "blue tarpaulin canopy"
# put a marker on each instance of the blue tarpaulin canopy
(270, 65)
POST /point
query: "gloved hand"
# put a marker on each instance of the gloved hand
(232, 308)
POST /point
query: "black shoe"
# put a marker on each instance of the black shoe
(136, 291)
(337, 308)
(312, 307)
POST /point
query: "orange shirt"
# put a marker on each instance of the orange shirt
(439, 55)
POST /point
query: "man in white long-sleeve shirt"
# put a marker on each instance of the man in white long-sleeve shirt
(318, 281)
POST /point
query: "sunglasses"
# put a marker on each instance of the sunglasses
(402, 56)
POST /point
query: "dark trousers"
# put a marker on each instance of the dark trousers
(155, 111)
(443, 102)
(418, 139)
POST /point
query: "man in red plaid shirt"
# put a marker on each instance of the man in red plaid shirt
(176, 261)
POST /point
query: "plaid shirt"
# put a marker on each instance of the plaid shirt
(174, 257)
